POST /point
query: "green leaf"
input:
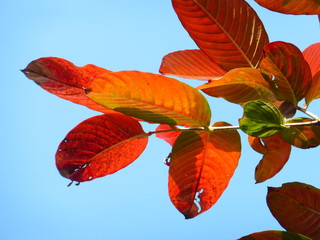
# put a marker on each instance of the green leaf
(302, 136)
(261, 119)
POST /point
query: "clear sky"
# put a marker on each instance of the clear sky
(35, 201)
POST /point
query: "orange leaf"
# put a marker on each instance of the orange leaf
(287, 71)
(275, 152)
(312, 56)
(202, 164)
(100, 146)
(62, 78)
(296, 7)
(151, 97)
(296, 206)
(171, 136)
(193, 64)
(275, 235)
(228, 32)
(240, 86)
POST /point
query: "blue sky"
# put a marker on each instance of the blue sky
(133, 203)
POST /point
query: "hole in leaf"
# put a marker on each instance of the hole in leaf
(90, 177)
(167, 160)
(197, 200)
(273, 81)
(65, 140)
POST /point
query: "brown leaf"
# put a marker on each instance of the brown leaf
(296, 206)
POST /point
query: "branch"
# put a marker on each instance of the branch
(184, 129)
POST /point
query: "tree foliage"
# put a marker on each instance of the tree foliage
(235, 57)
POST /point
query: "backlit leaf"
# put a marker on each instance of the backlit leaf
(286, 70)
(202, 164)
(275, 152)
(261, 119)
(151, 97)
(100, 146)
(302, 136)
(275, 235)
(193, 64)
(297, 7)
(296, 206)
(240, 86)
(312, 56)
(62, 78)
(171, 136)
(228, 32)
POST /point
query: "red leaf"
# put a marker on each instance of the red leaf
(202, 164)
(287, 71)
(192, 64)
(62, 78)
(100, 146)
(312, 56)
(296, 206)
(297, 7)
(275, 152)
(228, 32)
(170, 137)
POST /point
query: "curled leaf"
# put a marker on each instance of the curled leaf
(99, 146)
(202, 164)
(286, 70)
(296, 207)
(261, 119)
(275, 152)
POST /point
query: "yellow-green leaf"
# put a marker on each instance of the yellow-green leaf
(240, 86)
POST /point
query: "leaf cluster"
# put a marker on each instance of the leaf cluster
(239, 64)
